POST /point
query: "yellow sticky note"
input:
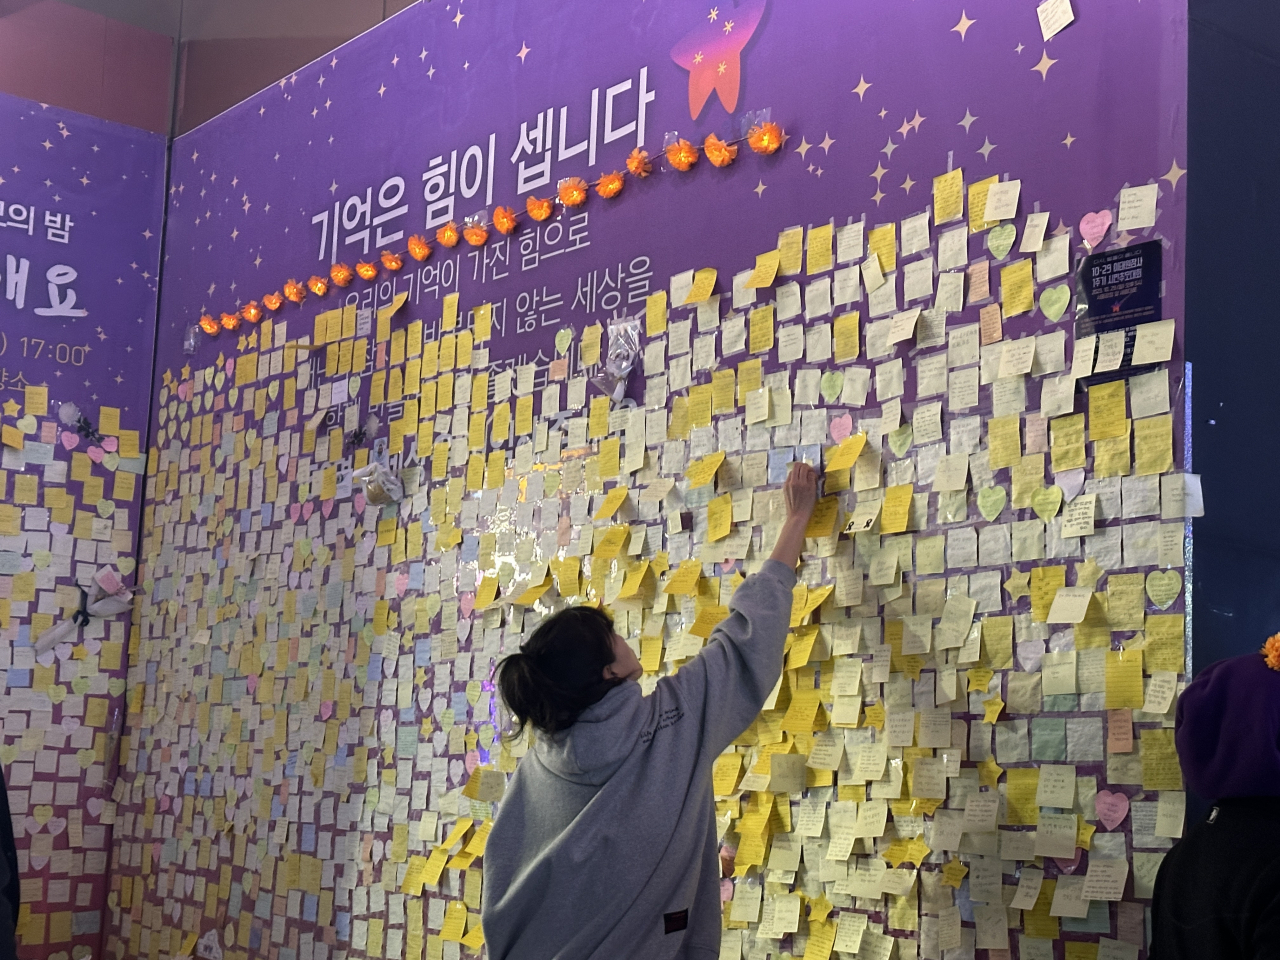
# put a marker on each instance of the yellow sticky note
(598, 418)
(823, 520)
(1107, 410)
(1021, 786)
(685, 580)
(701, 400)
(1046, 581)
(610, 543)
(612, 501)
(978, 204)
(1160, 769)
(948, 196)
(896, 511)
(845, 329)
(818, 258)
(1152, 445)
(701, 472)
(449, 317)
(109, 419)
(847, 452)
(36, 401)
(883, 241)
(655, 313)
(704, 282)
(1004, 440)
(482, 321)
(1017, 295)
(589, 347)
(720, 517)
(761, 329)
(765, 271)
(1124, 679)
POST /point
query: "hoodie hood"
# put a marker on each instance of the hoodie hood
(593, 749)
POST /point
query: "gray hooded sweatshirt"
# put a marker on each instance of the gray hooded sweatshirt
(605, 844)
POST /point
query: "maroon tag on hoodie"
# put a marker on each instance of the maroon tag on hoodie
(674, 922)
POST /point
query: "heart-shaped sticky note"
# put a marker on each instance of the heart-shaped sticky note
(177, 806)
(81, 685)
(95, 805)
(900, 439)
(1112, 808)
(358, 501)
(1163, 587)
(831, 385)
(841, 427)
(433, 605)
(126, 565)
(273, 389)
(219, 379)
(42, 814)
(326, 508)
(106, 508)
(31, 825)
(308, 508)
(63, 651)
(116, 685)
(57, 824)
(112, 460)
(1094, 226)
(57, 693)
(233, 395)
(185, 430)
(1071, 482)
(162, 415)
(41, 558)
(110, 444)
(39, 863)
(1000, 240)
(991, 501)
(251, 682)
(69, 440)
(92, 644)
(1046, 501)
(295, 511)
(95, 454)
(564, 337)
(1066, 866)
(1054, 300)
(83, 952)
(27, 424)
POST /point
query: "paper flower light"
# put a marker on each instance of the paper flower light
(1271, 650)
(765, 137)
(475, 234)
(341, 274)
(230, 321)
(448, 235)
(504, 220)
(638, 164)
(367, 271)
(295, 291)
(251, 311)
(392, 261)
(273, 301)
(720, 154)
(573, 191)
(318, 285)
(682, 154)
(610, 185)
(209, 325)
(539, 209)
(419, 249)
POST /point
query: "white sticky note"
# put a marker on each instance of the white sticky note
(1002, 200)
(1033, 232)
(872, 277)
(1137, 207)
(1154, 343)
(1070, 604)
(1054, 16)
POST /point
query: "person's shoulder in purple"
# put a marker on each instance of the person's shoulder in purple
(1217, 894)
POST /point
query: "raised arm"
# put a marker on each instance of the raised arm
(730, 679)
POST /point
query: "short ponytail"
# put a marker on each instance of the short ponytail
(559, 671)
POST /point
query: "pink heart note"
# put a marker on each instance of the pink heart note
(63, 650)
(95, 805)
(110, 444)
(326, 508)
(402, 583)
(93, 644)
(473, 760)
(32, 825)
(1069, 866)
(57, 825)
(164, 802)
(95, 454)
(1112, 808)
(326, 709)
(70, 440)
(46, 659)
(184, 390)
(1094, 226)
(39, 863)
(841, 427)
(468, 604)
(231, 366)
(308, 509)
(358, 501)
(69, 724)
(295, 511)
(251, 682)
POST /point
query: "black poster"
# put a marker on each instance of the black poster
(1118, 289)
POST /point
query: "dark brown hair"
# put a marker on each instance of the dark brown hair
(559, 671)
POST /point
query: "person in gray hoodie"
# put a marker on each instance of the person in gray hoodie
(605, 843)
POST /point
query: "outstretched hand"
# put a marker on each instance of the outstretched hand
(801, 491)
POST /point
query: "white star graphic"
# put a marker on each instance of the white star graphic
(963, 26)
(967, 121)
(826, 143)
(862, 87)
(1069, 139)
(1043, 66)
(888, 148)
(986, 148)
(760, 188)
(1175, 174)
(804, 147)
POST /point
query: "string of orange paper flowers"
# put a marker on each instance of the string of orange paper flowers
(763, 138)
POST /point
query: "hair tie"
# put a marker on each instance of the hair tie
(1271, 651)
